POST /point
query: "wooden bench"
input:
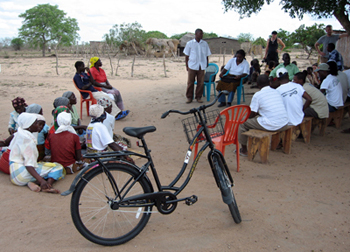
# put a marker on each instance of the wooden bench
(338, 115)
(321, 124)
(262, 141)
(258, 140)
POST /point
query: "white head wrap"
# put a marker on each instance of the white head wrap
(96, 110)
(25, 120)
(64, 121)
(104, 102)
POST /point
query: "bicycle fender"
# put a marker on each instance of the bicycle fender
(91, 165)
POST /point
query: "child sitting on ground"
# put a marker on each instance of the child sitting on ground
(37, 109)
(19, 105)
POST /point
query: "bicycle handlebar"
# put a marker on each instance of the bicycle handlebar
(193, 110)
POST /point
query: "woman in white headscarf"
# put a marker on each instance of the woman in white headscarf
(24, 169)
(97, 137)
(65, 145)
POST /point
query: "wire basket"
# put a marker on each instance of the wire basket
(191, 126)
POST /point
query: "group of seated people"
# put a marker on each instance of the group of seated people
(37, 155)
(287, 95)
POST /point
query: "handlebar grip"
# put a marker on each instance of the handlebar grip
(165, 114)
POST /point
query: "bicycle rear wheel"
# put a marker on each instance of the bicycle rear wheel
(91, 210)
(226, 190)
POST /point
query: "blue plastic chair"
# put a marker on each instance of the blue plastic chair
(209, 79)
(240, 89)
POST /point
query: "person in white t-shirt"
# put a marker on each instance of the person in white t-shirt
(319, 106)
(347, 72)
(330, 85)
(196, 58)
(267, 112)
(109, 121)
(238, 68)
(292, 96)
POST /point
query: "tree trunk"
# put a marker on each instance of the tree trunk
(164, 64)
(343, 19)
(57, 55)
(44, 47)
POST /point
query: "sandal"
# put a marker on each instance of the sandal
(122, 114)
(346, 131)
(241, 154)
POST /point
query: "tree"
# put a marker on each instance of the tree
(46, 23)
(260, 41)
(209, 35)
(155, 34)
(132, 33)
(307, 36)
(178, 36)
(286, 38)
(5, 42)
(17, 43)
(297, 8)
(243, 37)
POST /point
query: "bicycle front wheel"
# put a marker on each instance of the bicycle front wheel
(91, 205)
(226, 189)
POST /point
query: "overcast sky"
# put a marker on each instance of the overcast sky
(95, 18)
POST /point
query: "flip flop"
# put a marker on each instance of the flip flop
(122, 115)
(51, 190)
(241, 154)
(346, 131)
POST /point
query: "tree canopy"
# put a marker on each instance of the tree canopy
(155, 34)
(180, 35)
(243, 37)
(125, 32)
(46, 23)
(297, 8)
(209, 35)
(307, 36)
(260, 41)
(17, 43)
(286, 37)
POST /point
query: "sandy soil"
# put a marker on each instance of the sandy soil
(296, 202)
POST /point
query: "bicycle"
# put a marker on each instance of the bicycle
(112, 199)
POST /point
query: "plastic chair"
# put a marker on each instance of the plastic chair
(86, 100)
(209, 79)
(240, 89)
(234, 116)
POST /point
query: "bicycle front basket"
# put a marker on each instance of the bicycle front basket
(191, 126)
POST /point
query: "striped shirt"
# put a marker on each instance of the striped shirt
(269, 105)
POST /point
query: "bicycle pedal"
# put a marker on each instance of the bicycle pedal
(191, 200)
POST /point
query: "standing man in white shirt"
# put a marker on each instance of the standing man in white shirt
(196, 57)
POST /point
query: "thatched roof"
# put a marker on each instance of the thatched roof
(187, 37)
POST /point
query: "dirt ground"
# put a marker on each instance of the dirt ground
(296, 202)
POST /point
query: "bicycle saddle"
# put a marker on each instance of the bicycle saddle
(138, 132)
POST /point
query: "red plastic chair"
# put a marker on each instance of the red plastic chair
(234, 116)
(87, 100)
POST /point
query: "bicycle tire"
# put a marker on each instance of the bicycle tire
(226, 189)
(92, 215)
